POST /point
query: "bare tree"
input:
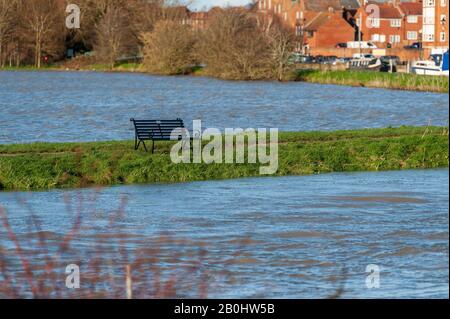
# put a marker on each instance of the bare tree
(282, 44)
(234, 47)
(44, 23)
(8, 22)
(113, 35)
(169, 48)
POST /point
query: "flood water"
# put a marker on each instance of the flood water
(83, 106)
(284, 237)
(288, 237)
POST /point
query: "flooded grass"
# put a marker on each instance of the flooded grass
(63, 165)
(399, 81)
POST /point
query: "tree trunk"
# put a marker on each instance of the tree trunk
(38, 46)
(2, 61)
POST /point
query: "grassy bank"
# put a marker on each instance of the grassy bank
(49, 165)
(101, 67)
(399, 81)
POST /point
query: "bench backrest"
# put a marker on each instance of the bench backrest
(157, 129)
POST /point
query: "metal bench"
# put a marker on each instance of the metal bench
(156, 130)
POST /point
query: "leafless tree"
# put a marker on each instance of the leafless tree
(234, 47)
(169, 48)
(113, 35)
(8, 23)
(43, 22)
(282, 44)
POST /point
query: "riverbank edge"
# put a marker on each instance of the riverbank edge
(369, 79)
(44, 166)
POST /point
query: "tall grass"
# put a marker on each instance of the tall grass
(399, 81)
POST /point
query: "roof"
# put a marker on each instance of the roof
(324, 5)
(411, 8)
(199, 15)
(315, 23)
(320, 19)
(387, 10)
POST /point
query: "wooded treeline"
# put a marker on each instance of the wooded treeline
(238, 43)
(32, 29)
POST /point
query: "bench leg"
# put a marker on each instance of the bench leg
(145, 147)
(137, 145)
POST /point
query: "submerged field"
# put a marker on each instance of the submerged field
(64, 165)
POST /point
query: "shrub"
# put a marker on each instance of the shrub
(169, 48)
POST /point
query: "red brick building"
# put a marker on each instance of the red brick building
(393, 24)
(435, 24)
(317, 23)
(326, 29)
(198, 19)
(413, 21)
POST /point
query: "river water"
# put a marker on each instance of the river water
(285, 237)
(84, 106)
(288, 237)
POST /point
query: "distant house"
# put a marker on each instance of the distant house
(398, 23)
(413, 21)
(317, 23)
(435, 23)
(327, 29)
(198, 20)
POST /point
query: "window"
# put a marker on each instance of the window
(428, 37)
(412, 19)
(395, 23)
(443, 37)
(375, 22)
(443, 3)
(430, 3)
(378, 38)
(428, 20)
(394, 39)
(411, 35)
(443, 18)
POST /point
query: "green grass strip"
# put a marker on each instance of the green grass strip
(68, 165)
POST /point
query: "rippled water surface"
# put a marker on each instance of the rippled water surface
(290, 237)
(80, 106)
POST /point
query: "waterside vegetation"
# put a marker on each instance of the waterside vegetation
(67, 165)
